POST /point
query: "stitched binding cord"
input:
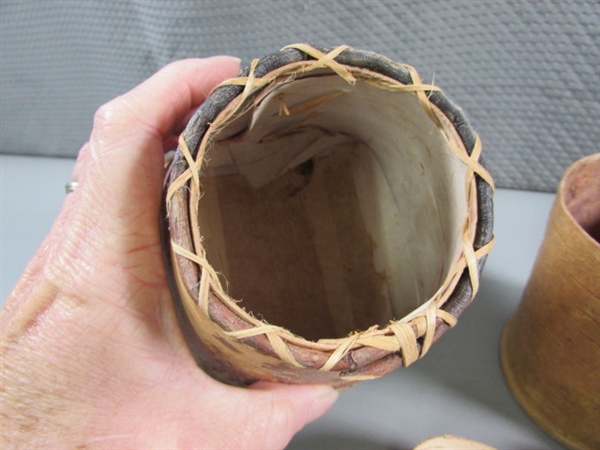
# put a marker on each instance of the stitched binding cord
(411, 336)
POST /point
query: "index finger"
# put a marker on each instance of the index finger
(122, 173)
(159, 104)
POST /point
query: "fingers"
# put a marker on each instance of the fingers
(265, 416)
(80, 163)
(281, 410)
(111, 219)
(163, 101)
(317, 398)
(171, 142)
(124, 170)
(27, 281)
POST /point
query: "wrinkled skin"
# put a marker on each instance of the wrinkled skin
(92, 356)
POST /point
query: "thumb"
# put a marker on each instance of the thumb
(279, 411)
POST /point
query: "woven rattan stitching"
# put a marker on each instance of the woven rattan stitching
(399, 335)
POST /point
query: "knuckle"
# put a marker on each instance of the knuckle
(108, 114)
(282, 417)
(114, 123)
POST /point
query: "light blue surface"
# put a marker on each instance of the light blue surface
(456, 389)
(32, 190)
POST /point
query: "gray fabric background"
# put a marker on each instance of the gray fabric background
(526, 72)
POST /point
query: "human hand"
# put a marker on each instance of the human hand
(92, 355)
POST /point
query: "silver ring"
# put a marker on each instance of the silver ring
(70, 186)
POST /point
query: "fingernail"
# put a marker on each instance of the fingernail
(324, 399)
